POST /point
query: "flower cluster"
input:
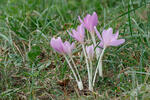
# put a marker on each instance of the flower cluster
(107, 38)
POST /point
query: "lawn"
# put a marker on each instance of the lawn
(30, 69)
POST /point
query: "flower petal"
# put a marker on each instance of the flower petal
(81, 21)
(73, 45)
(117, 42)
(80, 29)
(90, 51)
(94, 19)
(87, 22)
(57, 44)
(97, 33)
(70, 33)
(101, 44)
(68, 47)
(107, 35)
(115, 36)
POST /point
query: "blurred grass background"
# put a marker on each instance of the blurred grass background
(30, 70)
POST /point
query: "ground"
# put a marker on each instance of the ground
(31, 70)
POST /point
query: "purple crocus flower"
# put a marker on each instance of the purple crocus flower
(89, 21)
(90, 51)
(60, 47)
(57, 45)
(68, 47)
(78, 34)
(108, 38)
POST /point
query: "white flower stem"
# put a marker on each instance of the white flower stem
(78, 82)
(93, 39)
(76, 68)
(99, 66)
(88, 69)
(97, 55)
(91, 68)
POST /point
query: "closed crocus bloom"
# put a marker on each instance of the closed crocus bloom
(57, 45)
(90, 51)
(78, 34)
(89, 21)
(68, 47)
(108, 38)
(60, 47)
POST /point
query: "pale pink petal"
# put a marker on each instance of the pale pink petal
(74, 31)
(107, 36)
(87, 22)
(86, 19)
(116, 35)
(57, 44)
(80, 29)
(67, 43)
(80, 33)
(101, 44)
(75, 34)
(94, 19)
(98, 34)
(68, 47)
(70, 33)
(81, 21)
(72, 45)
(90, 51)
(117, 42)
(52, 43)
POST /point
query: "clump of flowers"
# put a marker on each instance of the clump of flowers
(95, 50)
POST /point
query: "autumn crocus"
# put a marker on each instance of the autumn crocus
(89, 21)
(60, 47)
(66, 49)
(78, 34)
(107, 39)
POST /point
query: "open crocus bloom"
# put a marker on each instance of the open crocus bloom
(90, 51)
(108, 38)
(89, 21)
(78, 34)
(60, 47)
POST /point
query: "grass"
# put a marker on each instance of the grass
(30, 69)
